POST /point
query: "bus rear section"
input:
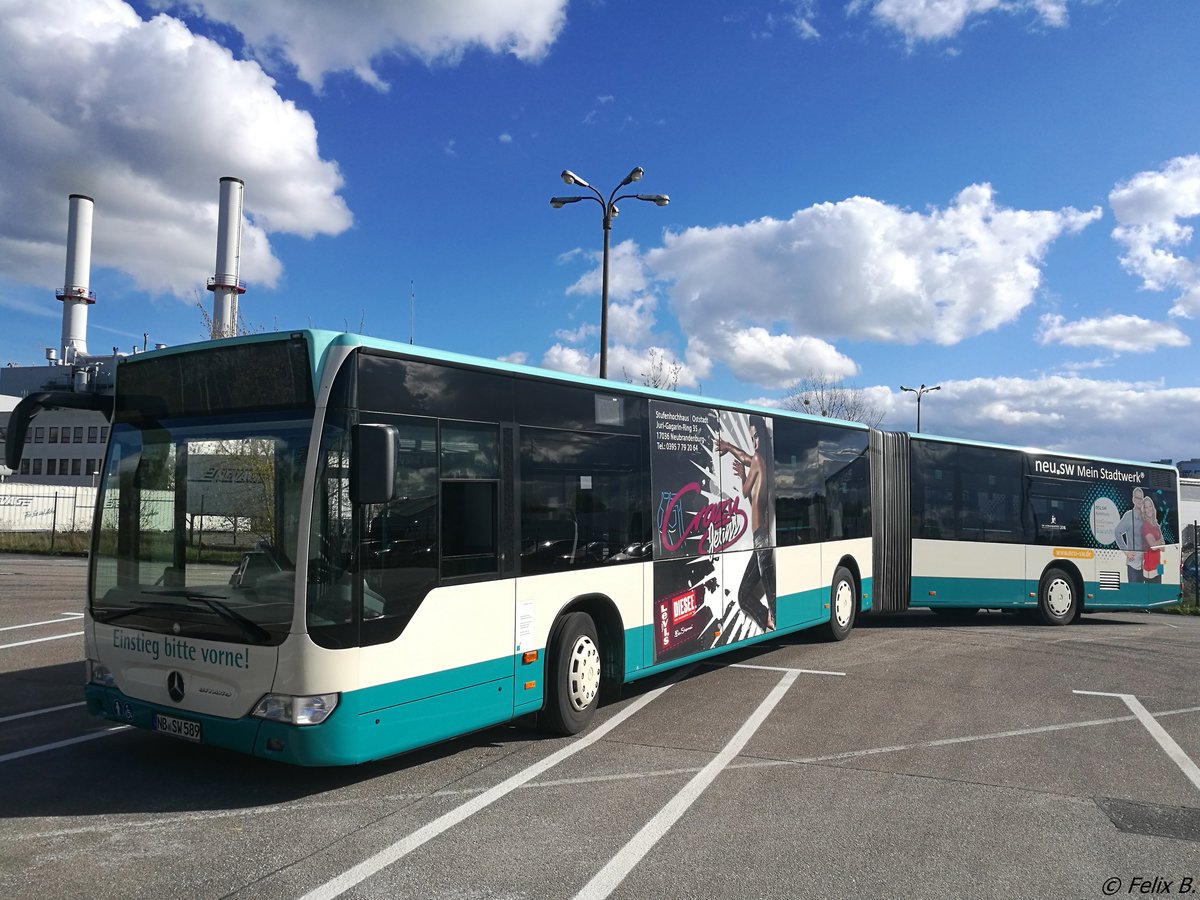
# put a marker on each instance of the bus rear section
(1002, 528)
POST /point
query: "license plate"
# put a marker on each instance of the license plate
(180, 728)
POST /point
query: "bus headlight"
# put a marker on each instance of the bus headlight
(312, 709)
(99, 673)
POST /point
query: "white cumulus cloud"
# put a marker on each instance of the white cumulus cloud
(864, 269)
(571, 360)
(1120, 333)
(1151, 210)
(774, 360)
(626, 273)
(933, 20)
(318, 37)
(1118, 418)
(145, 117)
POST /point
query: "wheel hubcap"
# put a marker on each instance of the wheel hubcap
(843, 603)
(1058, 597)
(583, 673)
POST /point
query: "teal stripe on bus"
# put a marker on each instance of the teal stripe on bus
(387, 719)
(1014, 593)
(993, 593)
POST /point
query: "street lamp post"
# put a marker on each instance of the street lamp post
(919, 391)
(610, 213)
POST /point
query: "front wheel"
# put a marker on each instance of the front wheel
(574, 676)
(843, 606)
(1058, 600)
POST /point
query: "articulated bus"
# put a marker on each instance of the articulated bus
(323, 549)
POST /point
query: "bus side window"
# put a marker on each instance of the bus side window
(846, 468)
(399, 544)
(470, 474)
(580, 500)
(799, 483)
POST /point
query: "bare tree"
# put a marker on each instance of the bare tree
(240, 327)
(663, 374)
(820, 394)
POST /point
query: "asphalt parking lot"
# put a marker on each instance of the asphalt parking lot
(920, 758)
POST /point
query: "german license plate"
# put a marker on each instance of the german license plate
(180, 728)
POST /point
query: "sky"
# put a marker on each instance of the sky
(998, 197)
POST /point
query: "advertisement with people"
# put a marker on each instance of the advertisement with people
(714, 572)
(1126, 512)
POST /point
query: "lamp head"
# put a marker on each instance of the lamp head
(656, 199)
(634, 175)
(560, 202)
(571, 178)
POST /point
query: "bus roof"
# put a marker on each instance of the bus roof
(321, 342)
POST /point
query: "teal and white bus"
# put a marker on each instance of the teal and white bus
(324, 549)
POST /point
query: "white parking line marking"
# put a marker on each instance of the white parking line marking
(41, 712)
(57, 637)
(384, 858)
(608, 878)
(32, 751)
(310, 804)
(1173, 750)
(67, 617)
(782, 669)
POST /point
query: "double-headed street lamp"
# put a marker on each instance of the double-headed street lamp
(919, 391)
(610, 213)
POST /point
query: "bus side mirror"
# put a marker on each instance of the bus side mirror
(373, 464)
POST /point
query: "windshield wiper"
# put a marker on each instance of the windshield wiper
(133, 611)
(251, 629)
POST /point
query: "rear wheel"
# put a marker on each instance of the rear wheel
(843, 605)
(574, 675)
(1058, 599)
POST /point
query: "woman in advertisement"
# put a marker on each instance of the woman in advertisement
(1152, 539)
(756, 594)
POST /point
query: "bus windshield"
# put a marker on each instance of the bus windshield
(197, 534)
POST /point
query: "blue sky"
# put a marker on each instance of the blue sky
(997, 197)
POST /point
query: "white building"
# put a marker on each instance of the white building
(62, 447)
(6, 406)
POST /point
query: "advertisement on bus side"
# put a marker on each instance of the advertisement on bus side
(714, 572)
(1123, 511)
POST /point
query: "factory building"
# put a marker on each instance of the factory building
(65, 447)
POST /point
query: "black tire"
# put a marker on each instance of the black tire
(573, 675)
(843, 606)
(1058, 598)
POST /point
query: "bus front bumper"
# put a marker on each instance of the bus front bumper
(325, 744)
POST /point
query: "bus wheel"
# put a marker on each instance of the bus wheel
(574, 678)
(843, 606)
(1058, 602)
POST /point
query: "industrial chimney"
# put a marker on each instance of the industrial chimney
(225, 284)
(75, 296)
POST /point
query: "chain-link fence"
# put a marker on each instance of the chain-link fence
(1190, 574)
(40, 518)
(58, 519)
